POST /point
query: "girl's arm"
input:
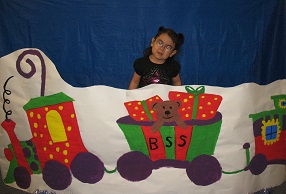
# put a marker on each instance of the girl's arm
(134, 81)
(177, 80)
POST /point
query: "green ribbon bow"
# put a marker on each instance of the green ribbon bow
(196, 93)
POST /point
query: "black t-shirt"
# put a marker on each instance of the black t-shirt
(152, 73)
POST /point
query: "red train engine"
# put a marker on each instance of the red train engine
(56, 145)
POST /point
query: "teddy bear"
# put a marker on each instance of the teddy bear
(167, 111)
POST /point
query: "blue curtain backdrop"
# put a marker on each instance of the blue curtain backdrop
(94, 42)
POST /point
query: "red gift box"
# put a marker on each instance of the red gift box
(142, 110)
(195, 104)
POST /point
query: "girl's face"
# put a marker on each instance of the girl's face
(162, 48)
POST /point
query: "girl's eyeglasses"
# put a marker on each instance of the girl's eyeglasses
(167, 48)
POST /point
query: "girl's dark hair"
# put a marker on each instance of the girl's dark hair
(178, 39)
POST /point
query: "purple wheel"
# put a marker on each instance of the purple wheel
(134, 166)
(56, 175)
(204, 170)
(22, 177)
(258, 164)
(87, 168)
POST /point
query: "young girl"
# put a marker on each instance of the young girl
(157, 66)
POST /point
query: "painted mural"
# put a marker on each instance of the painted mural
(160, 139)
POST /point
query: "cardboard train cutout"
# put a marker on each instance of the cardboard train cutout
(188, 129)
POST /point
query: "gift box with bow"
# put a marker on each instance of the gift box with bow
(142, 110)
(196, 104)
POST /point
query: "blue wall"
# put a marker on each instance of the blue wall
(94, 42)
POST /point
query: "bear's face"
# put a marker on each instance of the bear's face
(167, 110)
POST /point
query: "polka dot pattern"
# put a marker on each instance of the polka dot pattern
(138, 111)
(207, 105)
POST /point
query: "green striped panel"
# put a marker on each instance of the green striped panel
(204, 139)
(135, 138)
(168, 136)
